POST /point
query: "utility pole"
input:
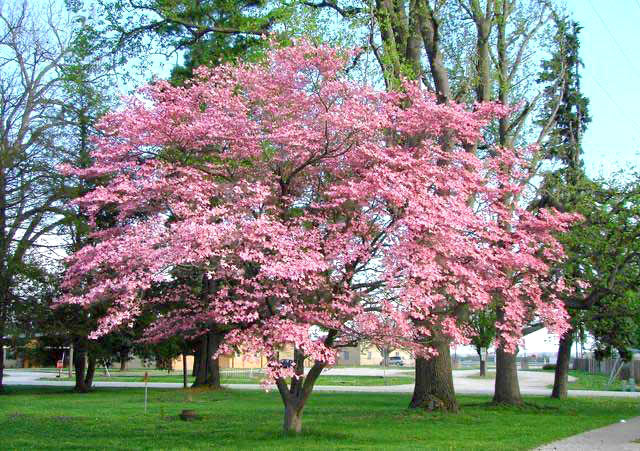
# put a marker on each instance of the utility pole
(71, 360)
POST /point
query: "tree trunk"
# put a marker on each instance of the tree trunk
(561, 380)
(4, 307)
(196, 360)
(507, 389)
(208, 369)
(200, 364)
(483, 367)
(1, 358)
(184, 370)
(70, 360)
(91, 370)
(79, 362)
(292, 417)
(124, 355)
(433, 388)
(296, 395)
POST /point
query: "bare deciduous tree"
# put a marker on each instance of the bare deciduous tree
(34, 41)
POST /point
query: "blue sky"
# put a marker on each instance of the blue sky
(610, 49)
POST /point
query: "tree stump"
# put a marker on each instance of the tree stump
(189, 415)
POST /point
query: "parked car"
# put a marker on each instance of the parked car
(394, 360)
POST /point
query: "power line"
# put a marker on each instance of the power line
(604, 24)
(621, 110)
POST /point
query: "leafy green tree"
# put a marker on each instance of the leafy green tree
(202, 31)
(604, 252)
(483, 324)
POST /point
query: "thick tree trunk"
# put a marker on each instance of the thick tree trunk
(208, 368)
(79, 362)
(124, 355)
(91, 371)
(296, 395)
(561, 380)
(196, 360)
(507, 389)
(292, 417)
(433, 388)
(200, 365)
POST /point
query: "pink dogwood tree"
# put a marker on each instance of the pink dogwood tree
(321, 211)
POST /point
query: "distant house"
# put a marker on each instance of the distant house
(237, 360)
(368, 355)
(364, 354)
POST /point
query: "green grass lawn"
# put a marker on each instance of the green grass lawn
(584, 381)
(55, 418)
(588, 381)
(322, 380)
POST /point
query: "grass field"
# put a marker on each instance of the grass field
(55, 418)
(585, 381)
(588, 381)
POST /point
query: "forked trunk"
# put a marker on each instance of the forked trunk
(507, 389)
(295, 396)
(561, 379)
(433, 388)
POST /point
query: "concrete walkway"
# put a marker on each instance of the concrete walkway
(531, 383)
(615, 437)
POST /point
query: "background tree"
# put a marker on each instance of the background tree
(483, 324)
(604, 253)
(469, 51)
(34, 42)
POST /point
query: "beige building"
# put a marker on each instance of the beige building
(362, 355)
(368, 355)
(237, 360)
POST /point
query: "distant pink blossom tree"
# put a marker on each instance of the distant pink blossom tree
(322, 212)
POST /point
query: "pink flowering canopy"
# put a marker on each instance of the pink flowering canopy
(319, 210)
